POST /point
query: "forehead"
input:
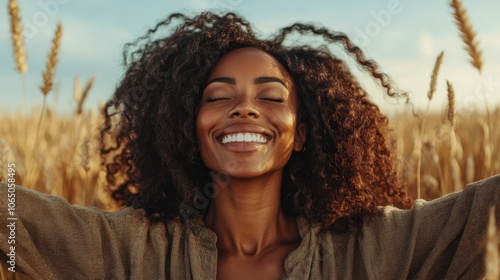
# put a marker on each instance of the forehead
(250, 62)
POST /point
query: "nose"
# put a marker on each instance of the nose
(244, 109)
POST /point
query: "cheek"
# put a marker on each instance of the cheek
(285, 121)
(204, 121)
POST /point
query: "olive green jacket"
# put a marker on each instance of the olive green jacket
(440, 239)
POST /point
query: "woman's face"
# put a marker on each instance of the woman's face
(247, 122)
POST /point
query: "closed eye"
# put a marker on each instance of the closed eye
(275, 99)
(212, 99)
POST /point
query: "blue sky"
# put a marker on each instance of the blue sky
(404, 36)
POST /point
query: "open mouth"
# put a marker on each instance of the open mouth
(244, 137)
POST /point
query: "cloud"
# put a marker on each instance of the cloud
(426, 44)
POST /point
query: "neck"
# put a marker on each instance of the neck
(246, 215)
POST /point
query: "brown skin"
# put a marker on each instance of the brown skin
(254, 236)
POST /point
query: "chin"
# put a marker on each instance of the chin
(242, 174)
(246, 172)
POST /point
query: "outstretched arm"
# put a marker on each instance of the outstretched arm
(45, 237)
(440, 239)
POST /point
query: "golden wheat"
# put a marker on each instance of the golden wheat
(17, 37)
(80, 96)
(469, 169)
(487, 148)
(467, 34)
(451, 103)
(418, 147)
(3, 160)
(50, 67)
(435, 72)
(455, 170)
(77, 89)
(84, 156)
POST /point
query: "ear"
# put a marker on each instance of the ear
(300, 137)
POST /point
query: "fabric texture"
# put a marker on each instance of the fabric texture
(441, 239)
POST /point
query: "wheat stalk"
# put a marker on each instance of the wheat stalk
(77, 90)
(492, 258)
(451, 103)
(50, 67)
(454, 166)
(469, 169)
(17, 38)
(3, 160)
(85, 162)
(48, 79)
(430, 94)
(88, 86)
(18, 42)
(487, 146)
(85, 154)
(455, 169)
(467, 34)
(81, 96)
(435, 72)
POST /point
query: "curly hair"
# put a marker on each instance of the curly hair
(149, 129)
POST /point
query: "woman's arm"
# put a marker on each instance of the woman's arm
(441, 239)
(45, 237)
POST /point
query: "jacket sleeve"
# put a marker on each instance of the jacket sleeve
(440, 239)
(50, 239)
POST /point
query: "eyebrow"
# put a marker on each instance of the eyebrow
(226, 80)
(256, 81)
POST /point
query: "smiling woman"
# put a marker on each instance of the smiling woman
(243, 158)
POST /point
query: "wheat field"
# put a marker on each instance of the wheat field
(437, 153)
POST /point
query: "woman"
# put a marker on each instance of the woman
(243, 158)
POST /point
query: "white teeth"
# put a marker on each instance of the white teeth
(244, 137)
